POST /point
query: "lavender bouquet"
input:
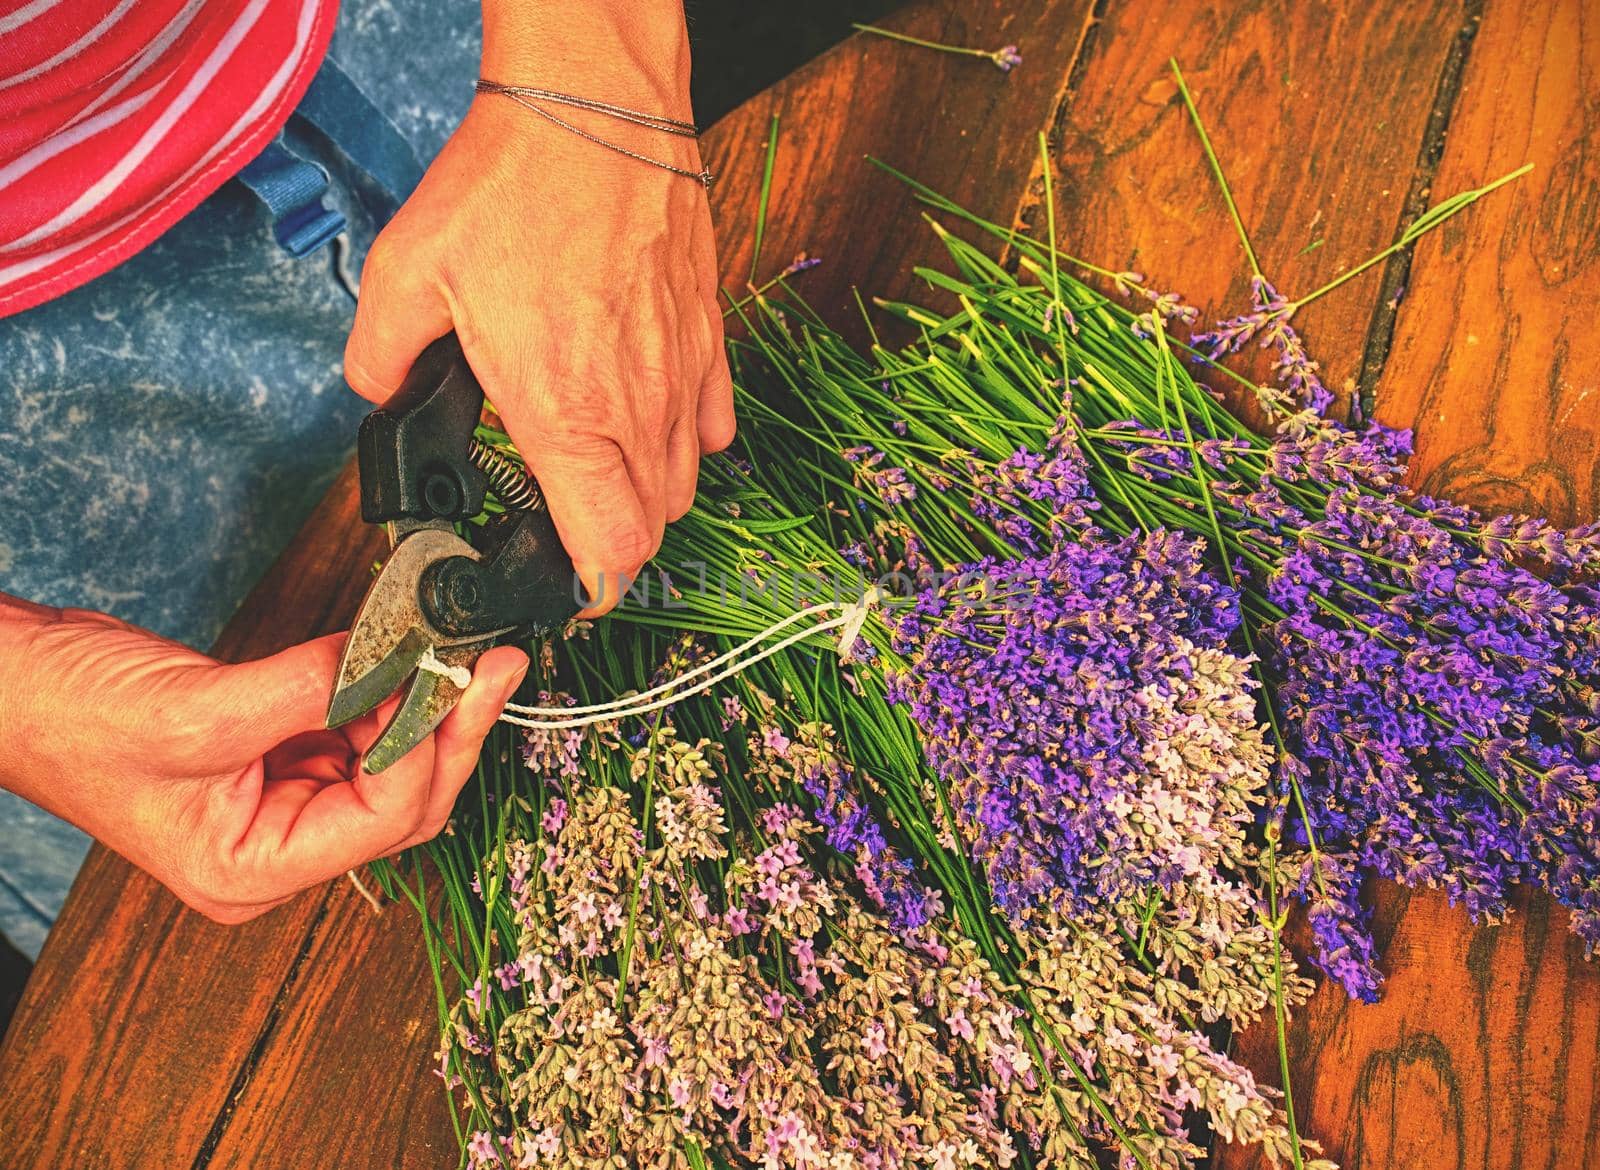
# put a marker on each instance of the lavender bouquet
(986, 880)
(740, 935)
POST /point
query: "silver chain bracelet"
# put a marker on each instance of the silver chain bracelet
(527, 97)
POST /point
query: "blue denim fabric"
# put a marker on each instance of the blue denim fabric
(166, 428)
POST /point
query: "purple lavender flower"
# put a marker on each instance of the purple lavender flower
(854, 830)
(801, 263)
(1031, 707)
(1003, 496)
(1436, 698)
(1269, 318)
(1330, 887)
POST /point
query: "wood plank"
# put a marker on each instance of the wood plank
(1484, 1049)
(95, 1072)
(1481, 1052)
(240, 1047)
(346, 1072)
(1320, 150)
(1495, 363)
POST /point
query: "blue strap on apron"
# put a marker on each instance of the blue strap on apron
(292, 190)
(291, 187)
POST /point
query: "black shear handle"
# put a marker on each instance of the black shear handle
(414, 454)
(413, 451)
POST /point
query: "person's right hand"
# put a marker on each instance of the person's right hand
(220, 780)
(582, 283)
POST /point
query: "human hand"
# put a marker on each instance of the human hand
(220, 780)
(582, 283)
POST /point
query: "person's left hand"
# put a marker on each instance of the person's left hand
(219, 779)
(583, 287)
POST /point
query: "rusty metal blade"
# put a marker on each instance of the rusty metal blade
(432, 695)
(390, 635)
(366, 690)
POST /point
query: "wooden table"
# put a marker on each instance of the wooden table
(151, 1038)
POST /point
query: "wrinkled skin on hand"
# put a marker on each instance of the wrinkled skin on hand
(220, 780)
(583, 286)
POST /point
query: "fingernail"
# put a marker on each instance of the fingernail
(516, 680)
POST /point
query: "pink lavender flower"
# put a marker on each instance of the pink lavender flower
(776, 818)
(959, 1025)
(854, 828)
(555, 815)
(774, 740)
(553, 754)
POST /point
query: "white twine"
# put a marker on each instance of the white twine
(850, 617)
(703, 668)
(431, 662)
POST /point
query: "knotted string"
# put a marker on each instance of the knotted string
(848, 618)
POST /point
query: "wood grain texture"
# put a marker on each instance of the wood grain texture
(1481, 1053)
(1485, 1050)
(1497, 362)
(124, 1046)
(345, 1073)
(1318, 113)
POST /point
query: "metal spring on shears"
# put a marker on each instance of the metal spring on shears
(512, 486)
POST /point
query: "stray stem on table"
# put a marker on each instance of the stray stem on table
(766, 193)
(1280, 1008)
(998, 56)
(1420, 227)
(1216, 167)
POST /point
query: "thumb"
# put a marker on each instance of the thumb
(459, 740)
(400, 310)
(271, 699)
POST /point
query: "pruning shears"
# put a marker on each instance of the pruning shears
(442, 599)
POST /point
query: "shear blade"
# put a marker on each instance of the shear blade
(429, 699)
(388, 640)
(363, 692)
